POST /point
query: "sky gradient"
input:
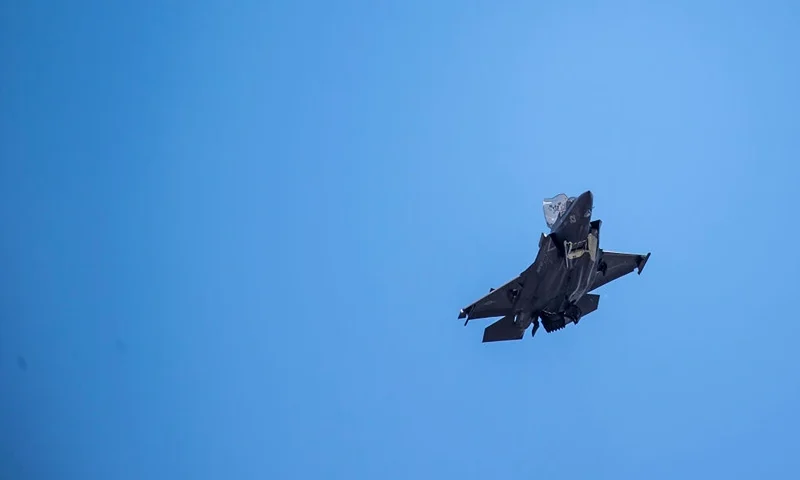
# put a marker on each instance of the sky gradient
(236, 238)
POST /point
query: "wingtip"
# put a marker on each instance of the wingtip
(642, 263)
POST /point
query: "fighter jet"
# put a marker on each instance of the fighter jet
(555, 287)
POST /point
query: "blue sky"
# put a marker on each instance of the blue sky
(237, 237)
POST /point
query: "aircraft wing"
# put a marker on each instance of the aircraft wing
(618, 265)
(498, 302)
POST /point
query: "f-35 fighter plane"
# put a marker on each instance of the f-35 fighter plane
(556, 286)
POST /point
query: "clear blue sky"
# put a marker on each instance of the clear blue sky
(236, 237)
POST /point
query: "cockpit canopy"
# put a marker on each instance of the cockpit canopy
(555, 207)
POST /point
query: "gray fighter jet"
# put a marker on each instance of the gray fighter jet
(555, 287)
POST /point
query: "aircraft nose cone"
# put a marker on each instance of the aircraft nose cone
(585, 204)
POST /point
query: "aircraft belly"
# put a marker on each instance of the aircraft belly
(573, 233)
(559, 276)
(580, 278)
(550, 285)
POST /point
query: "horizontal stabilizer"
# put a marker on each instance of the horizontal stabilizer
(503, 329)
(588, 303)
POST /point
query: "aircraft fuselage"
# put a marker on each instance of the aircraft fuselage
(555, 287)
(564, 269)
